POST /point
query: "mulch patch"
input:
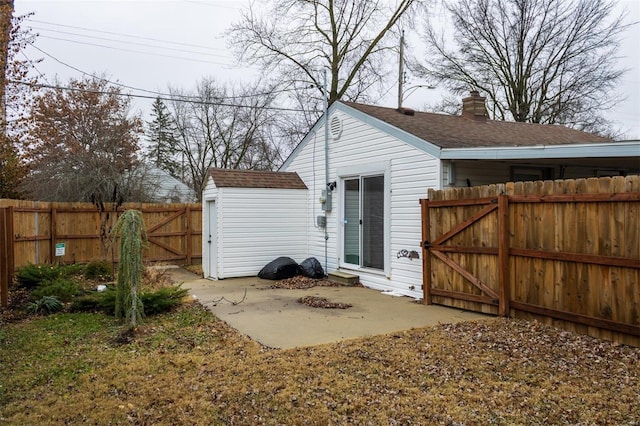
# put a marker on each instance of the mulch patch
(321, 302)
(301, 282)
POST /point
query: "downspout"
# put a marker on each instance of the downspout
(326, 168)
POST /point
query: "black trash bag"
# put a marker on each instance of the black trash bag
(311, 268)
(279, 269)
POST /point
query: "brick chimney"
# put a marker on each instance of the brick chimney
(474, 107)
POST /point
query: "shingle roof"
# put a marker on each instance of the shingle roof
(256, 179)
(450, 131)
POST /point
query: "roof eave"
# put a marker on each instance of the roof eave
(585, 150)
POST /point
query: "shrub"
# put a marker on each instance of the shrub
(61, 288)
(30, 276)
(46, 304)
(94, 302)
(86, 303)
(153, 302)
(100, 270)
(163, 300)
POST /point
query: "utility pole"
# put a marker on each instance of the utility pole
(6, 13)
(401, 70)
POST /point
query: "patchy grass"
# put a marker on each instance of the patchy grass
(187, 367)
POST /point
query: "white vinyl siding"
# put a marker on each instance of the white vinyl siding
(410, 173)
(255, 226)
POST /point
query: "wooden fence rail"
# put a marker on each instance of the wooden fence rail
(565, 252)
(30, 232)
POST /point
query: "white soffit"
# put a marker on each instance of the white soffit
(591, 150)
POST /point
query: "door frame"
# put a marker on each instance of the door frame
(212, 240)
(358, 172)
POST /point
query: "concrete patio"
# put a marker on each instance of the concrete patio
(276, 319)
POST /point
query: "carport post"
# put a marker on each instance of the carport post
(503, 255)
(426, 258)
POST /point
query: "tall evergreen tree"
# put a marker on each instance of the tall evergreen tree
(162, 150)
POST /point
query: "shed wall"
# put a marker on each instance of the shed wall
(255, 226)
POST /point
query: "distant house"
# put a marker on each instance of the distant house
(164, 188)
(362, 209)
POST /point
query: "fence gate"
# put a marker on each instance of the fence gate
(464, 264)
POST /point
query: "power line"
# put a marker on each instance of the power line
(249, 95)
(172, 99)
(135, 51)
(125, 35)
(33, 64)
(128, 42)
(204, 3)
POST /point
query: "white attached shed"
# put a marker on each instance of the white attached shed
(249, 219)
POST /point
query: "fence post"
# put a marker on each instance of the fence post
(426, 256)
(503, 256)
(52, 246)
(188, 238)
(6, 259)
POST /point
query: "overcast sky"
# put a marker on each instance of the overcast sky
(151, 45)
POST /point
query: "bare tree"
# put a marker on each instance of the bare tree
(83, 145)
(295, 40)
(538, 61)
(224, 127)
(16, 93)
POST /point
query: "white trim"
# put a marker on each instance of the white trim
(591, 150)
(212, 252)
(363, 170)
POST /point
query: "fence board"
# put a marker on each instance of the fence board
(572, 253)
(173, 229)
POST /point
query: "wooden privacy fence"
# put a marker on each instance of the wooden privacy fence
(564, 252)
(30, 232)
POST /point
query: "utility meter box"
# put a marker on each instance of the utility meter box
(325, 200)
(321, 221)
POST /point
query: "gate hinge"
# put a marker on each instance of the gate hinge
(426, 244)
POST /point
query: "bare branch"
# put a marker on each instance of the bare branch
(541, 61)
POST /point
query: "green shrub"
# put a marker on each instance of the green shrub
(46, 304)
(30, 276)
(62, 288)
(163, 300)
(153, 302)
(93, 302)
(100, 270)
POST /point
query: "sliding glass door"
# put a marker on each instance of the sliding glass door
(364, 221)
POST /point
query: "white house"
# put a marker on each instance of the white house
(164, 188)
(381, 161)
(362, 212)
